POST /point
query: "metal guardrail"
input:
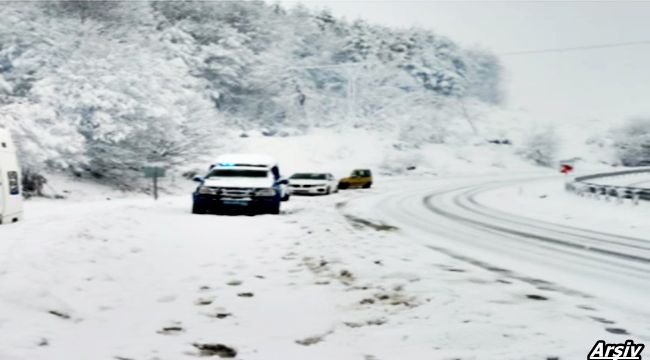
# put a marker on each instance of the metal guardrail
(583, 187)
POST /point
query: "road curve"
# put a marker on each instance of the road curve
(445, 215)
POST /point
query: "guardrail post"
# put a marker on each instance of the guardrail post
(582, 191)
(635, 198)
(619, 196)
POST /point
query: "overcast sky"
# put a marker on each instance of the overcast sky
(609, 84)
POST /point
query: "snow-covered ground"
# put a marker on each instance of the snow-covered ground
(130, 278)
(340, 150)
(548, 200)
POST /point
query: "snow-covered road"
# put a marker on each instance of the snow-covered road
(595, 262)
(428, 268)
(527, 228)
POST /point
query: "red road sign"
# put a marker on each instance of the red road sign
(566, 168)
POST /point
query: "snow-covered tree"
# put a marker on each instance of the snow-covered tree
(114, 102)
(632, 142)
(118, 85)
(133, 107)
(541, 146)
(43, 140)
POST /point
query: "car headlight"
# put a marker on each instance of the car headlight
(265, 192)
(206, 190)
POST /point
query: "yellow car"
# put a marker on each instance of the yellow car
(360, 178)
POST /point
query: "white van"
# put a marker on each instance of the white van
(11, 199)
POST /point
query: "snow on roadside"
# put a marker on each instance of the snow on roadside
(341, 150)
(139, 280)
(549, 201)
(136, 279)
(334, 150)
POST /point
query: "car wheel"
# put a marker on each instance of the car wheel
(274, 209)
(367, 186)
(197, 209)
(343, 186)
(328, 191)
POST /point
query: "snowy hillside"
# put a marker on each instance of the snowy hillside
(103, 89)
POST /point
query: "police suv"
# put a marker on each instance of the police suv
(241, 181)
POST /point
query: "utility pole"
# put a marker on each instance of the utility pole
(351, 75)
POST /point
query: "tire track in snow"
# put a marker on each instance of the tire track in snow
(450, 220)
(505, 226)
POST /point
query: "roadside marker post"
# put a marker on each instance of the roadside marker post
(154, 172)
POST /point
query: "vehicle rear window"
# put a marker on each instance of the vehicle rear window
(306, 176)
(237, 173)
(14, 187)
(363, 173)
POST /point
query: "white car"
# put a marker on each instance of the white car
(313, 184)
